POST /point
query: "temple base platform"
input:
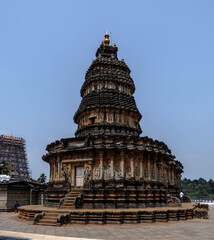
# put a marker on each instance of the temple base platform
(42, 215)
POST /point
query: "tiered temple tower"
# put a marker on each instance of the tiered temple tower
(108, 162)
(12, 151)
(108, 107)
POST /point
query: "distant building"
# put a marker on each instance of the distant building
(22, 191)
(12, 150)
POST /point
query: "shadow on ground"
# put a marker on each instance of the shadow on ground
(13, 238)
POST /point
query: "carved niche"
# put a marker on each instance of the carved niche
(108, 172)
(96, 174)
(128, 173)
(66, 173)
(137, 171)
(87, 175)
(118, 172)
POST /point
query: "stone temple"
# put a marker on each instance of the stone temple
(108, 164)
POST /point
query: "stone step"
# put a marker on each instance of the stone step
(52, 214)
(50, 217)
(73, 194)
(47, 224)
(68, 207)
(48, 220)
(69, 200)
(55, 214)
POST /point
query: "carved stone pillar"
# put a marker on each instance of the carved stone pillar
(175, 177)
(112, 165)
(161, 177)
(59, 169)
(72, 175)
(101, 164)
(50, 176)
(165, 170)
(173, 174)
(122, 163)
(155, 168)
(54, 169)
(132, 166)
(149, 166)
(160, 171)
(141, 166)
(137, 166)
(169, 174)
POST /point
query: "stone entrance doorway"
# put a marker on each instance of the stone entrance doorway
(79, 176)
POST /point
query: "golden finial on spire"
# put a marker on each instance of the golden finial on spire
(106, 41)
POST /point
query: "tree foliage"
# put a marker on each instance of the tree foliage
(198, 187)
(4, 168)
(42, 178)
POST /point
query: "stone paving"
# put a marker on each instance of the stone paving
(11, 229)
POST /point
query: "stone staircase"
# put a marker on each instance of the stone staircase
(70, 198)
(51, 219)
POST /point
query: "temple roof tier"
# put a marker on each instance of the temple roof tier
(143, 144)
(108, 129)
(107, 98)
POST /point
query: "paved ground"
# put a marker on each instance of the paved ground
(11, 229)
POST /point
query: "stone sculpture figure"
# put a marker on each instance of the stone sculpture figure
(96, 172)
(118, 172)
(128, 173)
(107, 172)
(87, 175)
(66, 173)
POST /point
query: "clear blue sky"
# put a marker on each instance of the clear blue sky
(47, 46)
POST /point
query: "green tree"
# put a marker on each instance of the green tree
(4, 168)
(198, 187)
(211, 184)
(42, 178)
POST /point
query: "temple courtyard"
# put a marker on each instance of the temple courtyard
(12, 228)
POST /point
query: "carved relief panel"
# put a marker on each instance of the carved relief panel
(137, 169)
(108, 172)
(87, 174)
(96, 172)
(118, 171)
